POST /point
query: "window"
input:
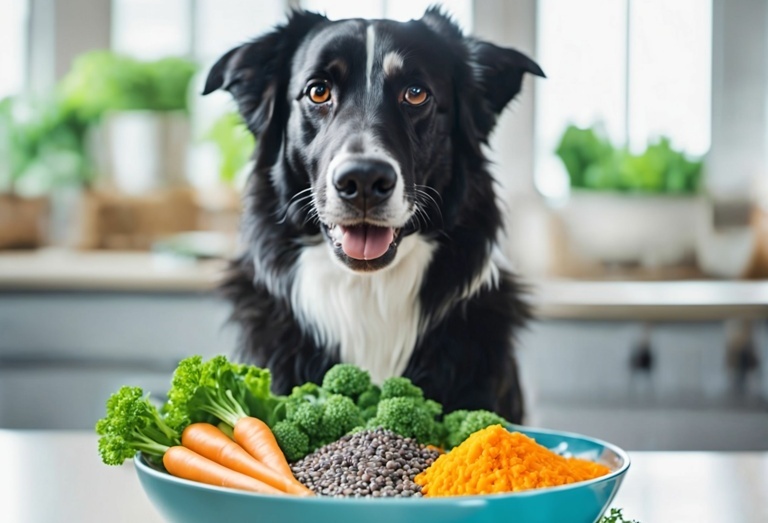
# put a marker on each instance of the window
(641, 69)
(402, 10)
(148, 29)
(13, 35)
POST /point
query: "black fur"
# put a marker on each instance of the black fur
(465, 359)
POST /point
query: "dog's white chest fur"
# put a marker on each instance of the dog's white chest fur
(374, 319)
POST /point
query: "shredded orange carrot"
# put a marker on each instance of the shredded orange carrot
(495, 460)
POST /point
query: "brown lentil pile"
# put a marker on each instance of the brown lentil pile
(372, 463)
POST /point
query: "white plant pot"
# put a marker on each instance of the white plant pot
(145, 150)
(617, 228)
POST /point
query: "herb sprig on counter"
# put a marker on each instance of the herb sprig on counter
(616, 516)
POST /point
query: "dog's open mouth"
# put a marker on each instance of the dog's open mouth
(363, 246)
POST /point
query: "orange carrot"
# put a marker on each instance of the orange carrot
(256, 437)
(184, 463)
(210, 442)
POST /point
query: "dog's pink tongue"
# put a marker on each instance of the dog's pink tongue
(366, 242)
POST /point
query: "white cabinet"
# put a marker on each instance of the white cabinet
(62, 354)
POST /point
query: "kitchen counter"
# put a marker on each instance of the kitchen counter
(132, 271)
(109, 271)
(57, 477)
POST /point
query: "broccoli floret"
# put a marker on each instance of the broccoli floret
(368, 402)
(305, 391)
(433, 407)
(369, 397)
(460, 424)
(133, 424)
(323, 418)
(410, 417)
(307, 416)
(400, 387)
(340, 415)
(452, 421)
(347, 380)
(292, 440)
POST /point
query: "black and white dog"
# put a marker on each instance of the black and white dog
(370, 221)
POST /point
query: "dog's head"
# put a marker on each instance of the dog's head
(370, 126)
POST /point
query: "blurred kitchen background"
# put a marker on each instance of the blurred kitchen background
(635, 179)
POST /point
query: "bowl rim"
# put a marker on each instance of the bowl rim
(144, 468)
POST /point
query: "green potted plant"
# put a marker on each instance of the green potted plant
(142, 112)
(626, 207)
(41, 152)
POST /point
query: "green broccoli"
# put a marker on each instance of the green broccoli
(410, 417)
(400, 387)
(306, 390)
(308, 416)
(368, 402)
(133, 424)
(347, 380)
(460, 424)
(322, 420)
(340, 415)
(292, 440)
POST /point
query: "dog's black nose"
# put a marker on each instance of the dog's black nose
(364, 183)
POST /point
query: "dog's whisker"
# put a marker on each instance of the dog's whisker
(311, 215)
(424, 198)
(297, 198)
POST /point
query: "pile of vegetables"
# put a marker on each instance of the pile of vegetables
(222, 425)
(211, 401)
(594, 163)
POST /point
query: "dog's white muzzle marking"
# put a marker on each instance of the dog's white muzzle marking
(397, 210)
(370, 38)
(373, 318)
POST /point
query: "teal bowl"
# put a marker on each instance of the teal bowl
(185, 501)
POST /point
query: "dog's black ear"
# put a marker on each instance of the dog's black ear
(499, 71)
(441, 23)
(255, 72)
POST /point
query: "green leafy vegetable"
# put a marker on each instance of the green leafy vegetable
(616, 516)
(219, 390)
(133, 424)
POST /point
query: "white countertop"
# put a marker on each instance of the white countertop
(57, 477)
(61, 270)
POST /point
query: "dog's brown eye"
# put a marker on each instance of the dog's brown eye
(319, 93)
(415, 95)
